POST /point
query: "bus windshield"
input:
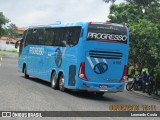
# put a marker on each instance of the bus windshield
(107, 33)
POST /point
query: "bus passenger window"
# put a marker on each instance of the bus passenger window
(68, 38)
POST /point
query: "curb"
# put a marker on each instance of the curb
(144, 94)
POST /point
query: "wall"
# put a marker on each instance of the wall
(7, 45)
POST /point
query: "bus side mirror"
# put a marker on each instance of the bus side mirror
(17, 43)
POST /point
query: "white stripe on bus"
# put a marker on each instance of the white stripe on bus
(104, 60)
(96, 59)
(90, 62)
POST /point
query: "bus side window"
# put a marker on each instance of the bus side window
(77, 34)
(49, 36)
(34, 37)
(23, 39)
(65, 39)
(59, 37)
(40, 38)
(68, 37)
(28, 37)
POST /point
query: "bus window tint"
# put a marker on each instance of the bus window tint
(29, 37)
(39, 35)
(64, 37)
(67, 37)
(50, 36)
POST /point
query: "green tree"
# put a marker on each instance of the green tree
(144, 36)
(139, 2)
(143, 19)
(3, 21)
(12, 31)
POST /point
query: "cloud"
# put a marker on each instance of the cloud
(30, 12)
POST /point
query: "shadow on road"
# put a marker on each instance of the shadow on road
(90, 95)
(37, 80)
(80, 94)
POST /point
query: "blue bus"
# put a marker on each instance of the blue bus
(87, 56)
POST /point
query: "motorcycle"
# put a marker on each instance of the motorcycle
(134, 83)
(137, 83)
(130, 83)
(148, 87)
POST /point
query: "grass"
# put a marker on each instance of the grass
(10, 51)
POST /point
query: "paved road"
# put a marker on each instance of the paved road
(20, 94)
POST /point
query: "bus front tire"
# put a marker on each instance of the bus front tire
(61, 83)
(25, 73)
(54, 82)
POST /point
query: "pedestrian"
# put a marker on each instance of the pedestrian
(137, 70)
(131, 71)
(144, 79)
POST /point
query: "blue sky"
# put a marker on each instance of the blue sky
(25, 13)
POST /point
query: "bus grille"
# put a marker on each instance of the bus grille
(105, 54)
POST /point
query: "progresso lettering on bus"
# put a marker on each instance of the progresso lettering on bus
(36, 51)
(107, 33)
(103, 36)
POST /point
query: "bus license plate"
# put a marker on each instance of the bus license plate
(103, 86)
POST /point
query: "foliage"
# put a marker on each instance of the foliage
(12, 31)
(143, 19)
(3, 21)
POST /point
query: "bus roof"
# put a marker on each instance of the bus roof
(60, 24)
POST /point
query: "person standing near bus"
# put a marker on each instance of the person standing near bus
(144, 78)
(131, 71)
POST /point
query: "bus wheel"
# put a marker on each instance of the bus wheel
(25, 73)
(54, 82)
(99, 93)
(61, 83)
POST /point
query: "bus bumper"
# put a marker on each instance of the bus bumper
(102, 87)
(99, 90)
